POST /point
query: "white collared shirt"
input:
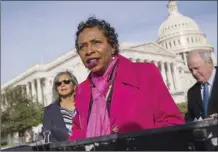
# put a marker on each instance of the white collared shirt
(210, 83)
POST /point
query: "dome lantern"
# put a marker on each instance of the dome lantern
(172, 7)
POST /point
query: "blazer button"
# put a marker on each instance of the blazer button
(115, 129)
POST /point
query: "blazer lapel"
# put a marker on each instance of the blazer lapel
(82, 103)
(123, 95)
(198, 96)
(59, 117)
(213, 104)
(124, 89)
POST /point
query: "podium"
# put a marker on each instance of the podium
(188, 137)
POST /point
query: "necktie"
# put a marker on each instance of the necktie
(205, 98)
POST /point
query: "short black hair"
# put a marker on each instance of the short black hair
(105, 27)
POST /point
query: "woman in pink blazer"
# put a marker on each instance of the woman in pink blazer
(118, 95)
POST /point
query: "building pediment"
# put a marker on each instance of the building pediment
(151, 48)
(41, 68)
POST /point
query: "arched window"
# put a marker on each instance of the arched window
(188, 40)
(174, 43)
(192, 39)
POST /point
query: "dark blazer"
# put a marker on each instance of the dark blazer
(53, 121)
(195, 103)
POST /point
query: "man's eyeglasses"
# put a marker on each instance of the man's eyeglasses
(66, 81)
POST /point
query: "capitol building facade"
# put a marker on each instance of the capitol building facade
(177, 36)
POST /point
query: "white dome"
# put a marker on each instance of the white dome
(176, 22)
(180, 34)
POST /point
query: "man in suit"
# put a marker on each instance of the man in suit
(202, 99)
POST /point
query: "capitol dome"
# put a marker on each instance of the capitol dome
(180, 34)
(176, 22)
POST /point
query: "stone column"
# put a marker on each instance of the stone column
(23, 89)
(48, 98)
(39, 91)
(169, 76)
(33, 90)
(185, 58)
(155, 63)
(182, 78)
(176, 79)
(163, 73)
(28, 89)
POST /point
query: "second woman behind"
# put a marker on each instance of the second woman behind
(58, 115)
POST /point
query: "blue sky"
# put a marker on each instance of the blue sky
(32, 31)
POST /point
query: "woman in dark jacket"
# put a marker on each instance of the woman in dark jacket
(58, 116)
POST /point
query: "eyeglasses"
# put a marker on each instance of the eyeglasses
(66, 81)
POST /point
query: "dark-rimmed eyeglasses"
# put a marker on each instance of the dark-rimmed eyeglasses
(66, 81)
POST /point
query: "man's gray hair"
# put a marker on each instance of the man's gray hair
(55, 95)
(204, 54)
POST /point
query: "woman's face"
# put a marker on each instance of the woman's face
(94, 50)
(65, 86)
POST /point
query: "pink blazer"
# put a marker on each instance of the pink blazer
(140, 101)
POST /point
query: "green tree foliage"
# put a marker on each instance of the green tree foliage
(19, 112)
(182, 107)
